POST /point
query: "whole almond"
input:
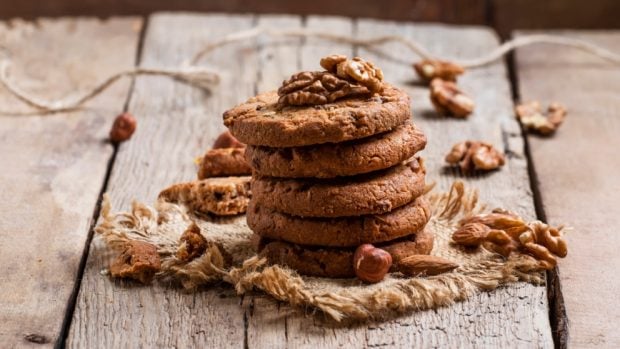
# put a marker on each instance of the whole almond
(425, 265)
(471, 234)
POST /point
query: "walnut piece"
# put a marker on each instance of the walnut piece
(428, 69)
(504, 232)
(344, 78)
(192, 244)
(475, 155)
(356, 69)
(449, 99)
(312, 88)
(139, 261)
(531, 117)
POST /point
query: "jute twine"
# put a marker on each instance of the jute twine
(340, 299)
(203, 78)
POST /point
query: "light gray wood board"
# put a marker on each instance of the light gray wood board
(512, 316)
(53, 166)
(176, 124)
(470, 323)
(576, 172)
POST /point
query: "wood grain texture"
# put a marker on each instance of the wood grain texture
(513, 316)
(576, 176)
(175, 124)
(53, 166)
(453, 11)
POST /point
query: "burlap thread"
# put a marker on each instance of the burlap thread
(340, 299)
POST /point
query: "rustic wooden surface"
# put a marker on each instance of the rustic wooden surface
(53, 166)
(176, 123)
(577, 180)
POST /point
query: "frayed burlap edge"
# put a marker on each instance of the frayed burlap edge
(339, 299)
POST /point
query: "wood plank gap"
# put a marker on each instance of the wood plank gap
(66, 323)
(558, 318)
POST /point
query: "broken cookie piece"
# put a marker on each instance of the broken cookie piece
(193, 244)
(139, 261)
(222, 162)
(220, 196)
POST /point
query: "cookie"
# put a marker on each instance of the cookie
(324, 262)
(222, 162)
(374, 193)
(339, 232)
(261, 121)
(224, 196)
(341, 159)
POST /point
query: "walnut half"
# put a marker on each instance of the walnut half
(475, 155)
(449, 99)
(531, 117)
(344, 78)
(428, 69)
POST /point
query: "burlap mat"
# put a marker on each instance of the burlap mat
(163, 224)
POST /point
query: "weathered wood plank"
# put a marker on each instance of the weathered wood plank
(576, 173)
(512, 316)
(53, 167)
(176, 123)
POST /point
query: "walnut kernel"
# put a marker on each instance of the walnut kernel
(449, 99)
(531, 117)
(428, 69)
(475, 155)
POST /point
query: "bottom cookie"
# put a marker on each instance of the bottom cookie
(335, 262)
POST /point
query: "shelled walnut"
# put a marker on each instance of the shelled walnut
(428, 69)
(448, 99)
(503, 232)
(475, 155)
(344, 78)
(363, 72)
(531, 117)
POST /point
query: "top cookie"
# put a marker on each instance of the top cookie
(261, 121)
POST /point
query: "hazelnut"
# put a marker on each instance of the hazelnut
(124, 126)
(371, 263)
(227, 140)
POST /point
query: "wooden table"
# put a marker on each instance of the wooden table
(55, 169)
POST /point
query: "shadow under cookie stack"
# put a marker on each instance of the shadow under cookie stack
(336, 189)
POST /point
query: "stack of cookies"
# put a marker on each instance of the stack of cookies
(332, 154)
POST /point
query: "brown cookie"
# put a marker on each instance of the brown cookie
(223, 196)
(373, 193)
(339, 232)
(261, 121)
(222, 162)
(341, 159)
(325, 262)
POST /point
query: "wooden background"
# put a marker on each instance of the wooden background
(56, 167)
(503, 15)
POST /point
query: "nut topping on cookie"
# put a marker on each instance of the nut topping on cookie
(343, 78)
